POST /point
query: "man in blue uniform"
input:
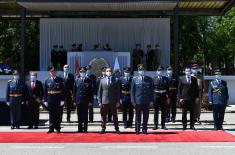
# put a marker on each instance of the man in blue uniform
(54, 99)
(127, 107)
(161, 91)
(16, 95)
(173, 85)
(218, 97)
(94, 90)
(141, 97)
(68, 88)
(83, 97)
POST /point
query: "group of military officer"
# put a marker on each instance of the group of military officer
(138, 92)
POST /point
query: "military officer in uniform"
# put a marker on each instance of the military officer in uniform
(54, 56)
(218, 98)
(149, 58)
(35, 89)
(62, 56)
(141, 97)
(54, 99)
(137, 55)
(173, 85)
(68, 90)
(83, 97)
(161, 91)
(198, 104)
(127, 107)
(188, 94)
(93, 79)
(16, 95)
(109, 98)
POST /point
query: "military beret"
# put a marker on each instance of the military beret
(34, 73)
(15, 72)
(160, 68)
(53, 69)
(88, 67)
(82, 69)
(141, 67)
(169, 67)
(217, 72)
(127, 70)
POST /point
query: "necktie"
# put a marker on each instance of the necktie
(109, 81)
(33, 85)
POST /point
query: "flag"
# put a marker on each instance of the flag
(116, 65)
(77, 66)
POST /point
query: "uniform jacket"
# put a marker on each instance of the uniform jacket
(126, 89)
(142, 90)
(218, 92)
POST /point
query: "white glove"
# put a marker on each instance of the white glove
(8, 103)
(22, 102)
(61, 103)
(120, 101)
(46, 104)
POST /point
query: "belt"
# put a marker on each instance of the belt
(172, 88)
(54, 92)
(126, 92)
(160, 91)
(15, 95)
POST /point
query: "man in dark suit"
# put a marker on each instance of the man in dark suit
(68, 88)
(127, 107)
(93, 79)
(161, 93)
(141, 97)
(218, 98)
(54, 99)
(187, 94)
(149, 58)
(83, 96)
(109, 98)
(35, 89)
(137, 55)
(54, 56)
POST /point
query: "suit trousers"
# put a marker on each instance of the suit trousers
(218, 115)
(69, 105)
(127, 109)
(139, 110)
(82, 113)
(104, 112)
(188, 105)
(15, 113)
(33, 113)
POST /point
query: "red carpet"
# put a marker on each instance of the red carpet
(165, 136)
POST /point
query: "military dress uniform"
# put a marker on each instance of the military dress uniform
(54, 94)
(68, 90)
(161, 92)
(137, 55)
(94, 92)
(173, 85)
(218, 97)
(17, 93)
(83, 95)
(54, 56)
(127, 106)
(141, 97)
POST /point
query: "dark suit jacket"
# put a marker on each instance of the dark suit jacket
(68, 84)
(109, 94)
(37, 92)
(187, 91)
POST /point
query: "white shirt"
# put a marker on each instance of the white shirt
(188, 79)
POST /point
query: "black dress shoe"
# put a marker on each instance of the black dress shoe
(30, 127)
(164, 127)
(155, 127)
(102, 131)
(145, 132)
(173, 120)
(17, 127)
(12, 127)
(57, 131)
(118, 132)
(192, 128)
(50, 131)
(184, 127)
(137, 132)
(36, 127)
(79, 131)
